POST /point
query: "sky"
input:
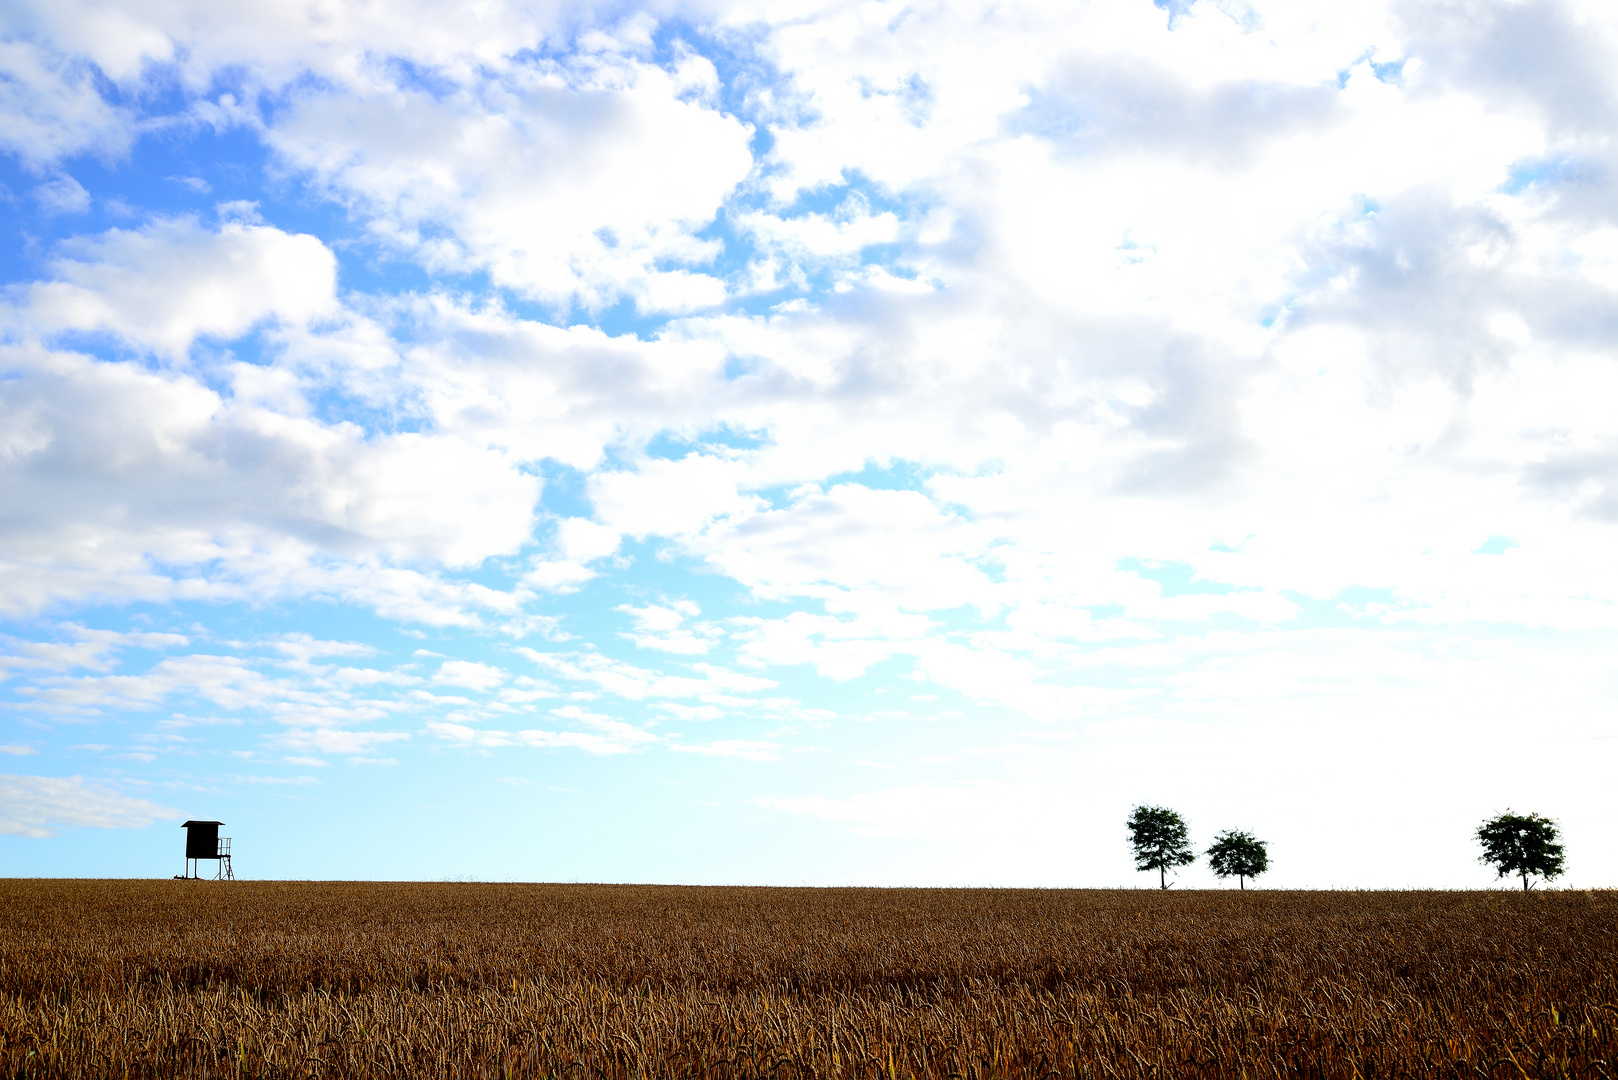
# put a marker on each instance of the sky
(807, 442)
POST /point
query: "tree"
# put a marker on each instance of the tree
(1238, 853)
(1521, 844)
(1160, 839)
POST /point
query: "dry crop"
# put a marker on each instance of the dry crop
(147, 979)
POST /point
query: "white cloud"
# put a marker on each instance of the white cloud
(53, 108)
(669, 497)
(90, 648)
(546, 392)
(579, 541)
(625, 680)
(662, 627)
(334, 741)
(318, 709)
(109, 468)
(584, 540)
(226, 681)
(40, 806)
(470, 674)
(62, 195)
(162, 286)
(895, 544)
(304, 647)
(538, 176)
(832, 239)
(280, 44)
(1166, 395)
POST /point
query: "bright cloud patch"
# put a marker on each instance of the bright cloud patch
(162, 286)
(540, 177)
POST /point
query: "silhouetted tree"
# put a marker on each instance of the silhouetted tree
(1238, 854)
(1521, 844)
(1160, 839)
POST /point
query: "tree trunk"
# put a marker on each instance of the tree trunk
(1163, 877)
(1525, 881)
(1241, 879)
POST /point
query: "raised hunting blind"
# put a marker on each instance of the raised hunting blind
(202, 841)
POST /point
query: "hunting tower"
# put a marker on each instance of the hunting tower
(202, 841)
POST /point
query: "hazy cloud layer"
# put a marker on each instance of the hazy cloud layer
(39, 806)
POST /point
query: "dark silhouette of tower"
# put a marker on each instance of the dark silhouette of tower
(202, 841)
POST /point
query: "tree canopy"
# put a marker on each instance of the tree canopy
(1523, 844)
(1238, 854)
(1160, 839)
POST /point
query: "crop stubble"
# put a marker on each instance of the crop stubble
(146, 979)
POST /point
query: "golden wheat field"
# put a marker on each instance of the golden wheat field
(185, 978)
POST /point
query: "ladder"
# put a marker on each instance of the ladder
(225, 872)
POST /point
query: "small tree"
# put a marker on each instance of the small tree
(1161, 841)
(1240, 854)
(1521, 844)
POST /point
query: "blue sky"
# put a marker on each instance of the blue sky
(812, 443)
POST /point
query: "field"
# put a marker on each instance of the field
(175, 978)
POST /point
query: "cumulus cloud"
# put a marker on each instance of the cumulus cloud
(1124, 365)
(668, 498)
(663, 627)
(163, 285)
(543, 391)
(111, 467)
(53, 107)
(538, 177)
(196, 39)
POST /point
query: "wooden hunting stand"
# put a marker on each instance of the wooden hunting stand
(202, 841)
